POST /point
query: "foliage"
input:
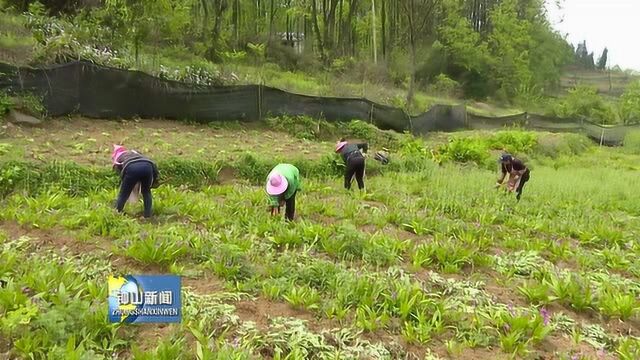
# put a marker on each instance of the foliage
(632, 142)
(31, 104)
(445, 86)
(368, 262)
(630, 104)
(584, 103)
(6, 104)
(511, 40)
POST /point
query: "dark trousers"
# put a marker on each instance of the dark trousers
(290, 207)
(139, 172)
(355, 166)
(525, 178)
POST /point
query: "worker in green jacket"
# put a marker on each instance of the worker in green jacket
(283, 183)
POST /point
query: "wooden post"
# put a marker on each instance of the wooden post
(260, 101)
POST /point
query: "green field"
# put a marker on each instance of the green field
(431, 262)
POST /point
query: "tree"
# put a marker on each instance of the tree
(602, 61)
(584, 58)
(630, 103)
(420, 22)
(509, 45)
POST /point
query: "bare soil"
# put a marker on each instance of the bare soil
(79, 139)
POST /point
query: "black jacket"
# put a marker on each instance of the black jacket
(353, 149)
(129, 157)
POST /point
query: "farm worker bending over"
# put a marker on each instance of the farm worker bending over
(283, 183)
(135, 171)
(354, 161)
(518, 174)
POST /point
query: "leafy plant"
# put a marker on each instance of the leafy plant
(615, 304)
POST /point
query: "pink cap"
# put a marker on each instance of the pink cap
(340, 145)
(117, 151)
(276, 184)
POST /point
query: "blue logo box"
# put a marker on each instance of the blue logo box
(145, 299)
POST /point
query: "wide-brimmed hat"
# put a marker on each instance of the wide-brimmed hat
(340, 145)
(117, 151)
(276, 184)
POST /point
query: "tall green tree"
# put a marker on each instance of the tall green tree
(509, 47)
(602, 61)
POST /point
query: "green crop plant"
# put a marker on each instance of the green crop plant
(335, 310)
(615, 304)
(156, 249)
(346, 257)
(628, 349)
(536, 293)
(371, 319)
(517, 331)
(302, 297)
(447, 255)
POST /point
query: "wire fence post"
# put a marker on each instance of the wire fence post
(260, 101)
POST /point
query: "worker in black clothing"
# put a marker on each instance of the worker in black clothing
(354, 161)
(519, 174)
(134, 168)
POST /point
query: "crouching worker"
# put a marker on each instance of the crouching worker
(354, 161)
(283, 183)
(135, 170)
(518, 174)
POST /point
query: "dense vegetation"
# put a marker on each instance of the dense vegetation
(430, 263)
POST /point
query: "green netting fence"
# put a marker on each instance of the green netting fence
(100, 92)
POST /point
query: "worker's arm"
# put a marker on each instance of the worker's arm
(501, 178)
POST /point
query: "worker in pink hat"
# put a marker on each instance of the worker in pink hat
(283, 183)
(353, 160)
(134, 168)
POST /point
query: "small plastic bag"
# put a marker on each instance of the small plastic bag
(514, 182)
(136, 194)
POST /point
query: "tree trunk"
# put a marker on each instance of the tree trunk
(383, 33)
(316, 28)
(236, 21)
(329, 24)
(353, 8)
(339, 29)
(373, 31)
(205, 19)
(271, 16)
(412, 45)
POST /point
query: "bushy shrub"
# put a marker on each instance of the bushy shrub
(342, 65)
(188, 172)
(444, 85)
(513, 141)
(631, 142)
(468, 149)
(6, 104)
(303, 127)
(556, 145)
(583, 102)
(254, 169)
(31, 104)
(368, 132)
(630, 104)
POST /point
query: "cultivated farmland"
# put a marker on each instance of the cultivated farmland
(430, 263)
